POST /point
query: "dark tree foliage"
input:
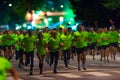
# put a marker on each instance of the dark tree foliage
(100, 11)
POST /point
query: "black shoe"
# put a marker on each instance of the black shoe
(79, 68)
(10, 58)
(50, 64)
(41, 72)
(90, 53)
(22, 64)
(84, 68)
(19, 66)
(31, 73)
(98, 53)
(55, 71)
(100, 59)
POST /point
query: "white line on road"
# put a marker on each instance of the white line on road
(116, 71)
(77, 67)
(40, 77)
(69, 75)
(98, 74)
(11, 78)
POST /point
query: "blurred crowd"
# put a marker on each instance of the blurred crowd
(52, 45)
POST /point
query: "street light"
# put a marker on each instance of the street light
(61, 6)
(28, 16)
(61, 19)
(10, 5)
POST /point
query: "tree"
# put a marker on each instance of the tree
(4, 13)
(114, 7)
(91, 12)
(112, 4)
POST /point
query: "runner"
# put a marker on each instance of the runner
(113, 42)
(119, 41)
(7, 41)
(105, 41)
(41, 45)
(46, 36)
(99, 43)
(5, 66)
(92, 41)
(72, 47)
(17, 47)
(53, 46)
(66, 41)
(1, 51)
(28, 43)
(21, 48)
(84, 34)
(60, 32)
(79, 38)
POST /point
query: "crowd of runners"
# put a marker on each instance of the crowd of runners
(55, 44)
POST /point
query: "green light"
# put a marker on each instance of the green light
(69, 22)
(71, 19)
(49, 19)
(69, 12)
(71, 16)
(38, 12)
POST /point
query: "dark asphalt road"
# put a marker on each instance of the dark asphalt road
(96, 70)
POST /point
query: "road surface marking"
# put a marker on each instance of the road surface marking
(116, 71)
(11, 78)
(69, 75)
(42, 77)
(98, 74)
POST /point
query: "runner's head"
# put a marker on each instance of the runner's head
(29, 32)
(80, 28)
(65, 31)
(40, 36)
(54, 33)
(91, 29)
(46, 29)
(6, 32)
(69, 29)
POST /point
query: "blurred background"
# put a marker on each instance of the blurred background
(37, 14)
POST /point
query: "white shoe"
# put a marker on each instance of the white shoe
(66, 68)
(25, 68)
